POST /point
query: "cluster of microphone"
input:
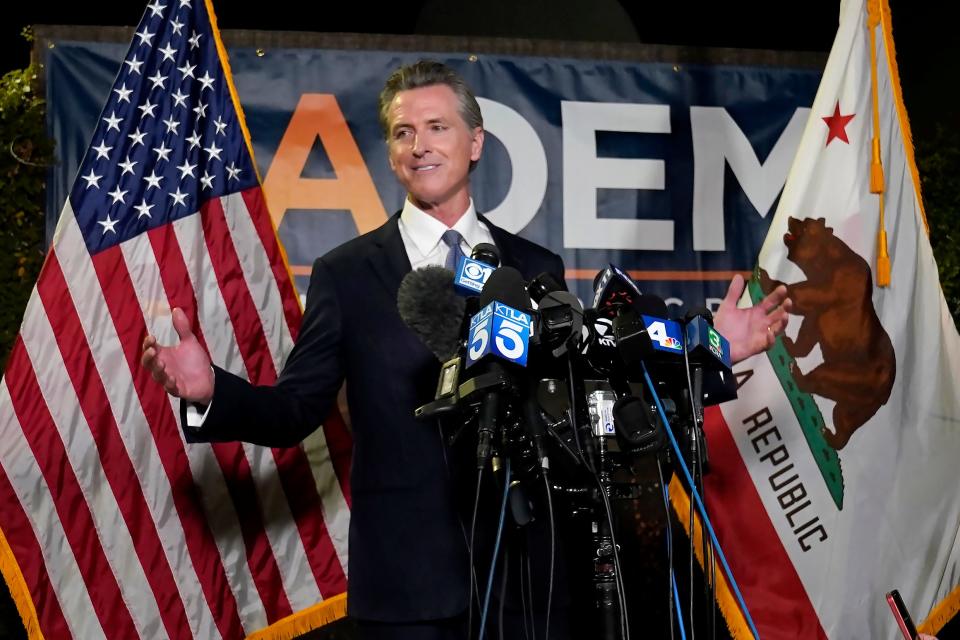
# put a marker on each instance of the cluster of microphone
(498, 336)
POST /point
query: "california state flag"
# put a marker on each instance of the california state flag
(835, 477)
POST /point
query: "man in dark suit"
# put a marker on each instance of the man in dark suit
(408, 569)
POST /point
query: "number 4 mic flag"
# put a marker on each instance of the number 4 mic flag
(833, 476)
(110, 525)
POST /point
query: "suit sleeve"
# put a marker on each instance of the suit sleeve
(282, 415)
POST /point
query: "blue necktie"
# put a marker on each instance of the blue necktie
(452, 238)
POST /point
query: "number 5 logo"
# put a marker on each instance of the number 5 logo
(509, 331)
(481, 337)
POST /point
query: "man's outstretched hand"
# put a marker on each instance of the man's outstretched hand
(752, 329)
(183, 370)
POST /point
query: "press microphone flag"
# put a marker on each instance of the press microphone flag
(472, 273)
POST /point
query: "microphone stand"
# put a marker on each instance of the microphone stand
(699, 463)
(606, 581)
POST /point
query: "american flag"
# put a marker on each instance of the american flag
(113, 527)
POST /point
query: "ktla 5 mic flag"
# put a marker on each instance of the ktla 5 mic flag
(834, 474)
(112, 527)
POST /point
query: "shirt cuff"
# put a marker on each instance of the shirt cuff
(196, 414)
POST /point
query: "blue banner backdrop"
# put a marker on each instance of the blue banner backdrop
(669, 170)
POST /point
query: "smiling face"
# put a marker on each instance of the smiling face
(431, 149)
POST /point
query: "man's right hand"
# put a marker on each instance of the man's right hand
(184, 370)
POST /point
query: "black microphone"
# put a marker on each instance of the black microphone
(644, 333)
(472, 272)
(504, 286)
(486, 253)
(636, 423)
(705, 345)
(430, 307)
(542, 285)
(612, 289)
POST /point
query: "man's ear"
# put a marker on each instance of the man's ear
(476, 145)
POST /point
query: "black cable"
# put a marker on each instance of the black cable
(696, 469)
(666, 510)
(621, 592)
(693, 463)
(574, 420)
(463, 529)
(533, 620)
(473, 529)
(553, 534)
(523, 596)
(496, 550)
(713, 586)
(503, 590)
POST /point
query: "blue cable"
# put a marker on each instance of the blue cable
(699, 502)
(496, 550)
(673, 577)
(676, 602)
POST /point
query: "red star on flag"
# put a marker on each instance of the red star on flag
(837, 124)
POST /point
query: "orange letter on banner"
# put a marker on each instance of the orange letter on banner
(319, 115)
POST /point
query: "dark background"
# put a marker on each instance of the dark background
(928, 55)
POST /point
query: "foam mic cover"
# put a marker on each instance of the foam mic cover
(505, 285)
(650, 305)
(431, 308)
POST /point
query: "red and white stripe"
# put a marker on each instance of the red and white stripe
(97, 486)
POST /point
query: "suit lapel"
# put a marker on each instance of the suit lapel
(389, 257)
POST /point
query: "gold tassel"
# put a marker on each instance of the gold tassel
(320, 614)
(876, 169)
(883, 260)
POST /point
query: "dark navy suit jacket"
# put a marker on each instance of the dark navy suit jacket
(408, 554)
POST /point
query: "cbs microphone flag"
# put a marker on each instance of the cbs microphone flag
(110, 525)
(833, 475)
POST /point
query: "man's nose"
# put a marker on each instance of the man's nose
(419, 147)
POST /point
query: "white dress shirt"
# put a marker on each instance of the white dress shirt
(422, 235)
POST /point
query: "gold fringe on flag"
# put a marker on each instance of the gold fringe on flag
(12, 575)
(736, 623)
(941, 614)
(320, 614)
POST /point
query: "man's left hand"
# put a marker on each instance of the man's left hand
(752, 329)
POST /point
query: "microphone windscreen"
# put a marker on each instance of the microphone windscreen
(542, 285)
(651, 305)
(505, 285)
(699, 311)
(486, 253)
(431, 308)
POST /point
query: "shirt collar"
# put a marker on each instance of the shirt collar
(425, 231)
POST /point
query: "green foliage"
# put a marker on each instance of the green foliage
(938, 160)
(25, 152)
